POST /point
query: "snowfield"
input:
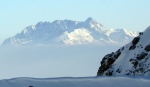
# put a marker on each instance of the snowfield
(118, 81)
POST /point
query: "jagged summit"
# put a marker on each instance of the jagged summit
(90, 20)
(132, 59)
(69, 32)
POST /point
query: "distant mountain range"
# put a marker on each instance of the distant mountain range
(70, 33)
(132, 59)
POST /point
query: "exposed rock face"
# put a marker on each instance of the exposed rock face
(132, 59)
(107, 62)
(134, 42)
(147, 48)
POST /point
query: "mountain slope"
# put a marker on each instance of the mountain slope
(132, 59)
(77, 82)
(69, 32)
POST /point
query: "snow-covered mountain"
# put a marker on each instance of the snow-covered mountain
(132, 59)
(70, 32)
(77, 82)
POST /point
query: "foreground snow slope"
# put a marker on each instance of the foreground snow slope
(78, 82)
(132, 59)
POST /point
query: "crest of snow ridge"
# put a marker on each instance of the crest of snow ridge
(132, 59)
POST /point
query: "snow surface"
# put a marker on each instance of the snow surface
(78, 36)
(77, 82)
(133, 60)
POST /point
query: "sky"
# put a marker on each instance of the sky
(15, 15)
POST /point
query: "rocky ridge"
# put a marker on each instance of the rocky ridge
(132, 59)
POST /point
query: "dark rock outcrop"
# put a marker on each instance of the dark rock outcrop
(147, 48)
(107, 61)
(134, 42)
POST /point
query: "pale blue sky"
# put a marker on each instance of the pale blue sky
(17, 14)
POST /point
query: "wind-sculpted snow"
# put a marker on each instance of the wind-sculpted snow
(77, 82)
(70, 33)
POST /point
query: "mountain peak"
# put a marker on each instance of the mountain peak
(90, 19)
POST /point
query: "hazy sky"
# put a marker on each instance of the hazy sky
(17, 14)
(52, 61)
